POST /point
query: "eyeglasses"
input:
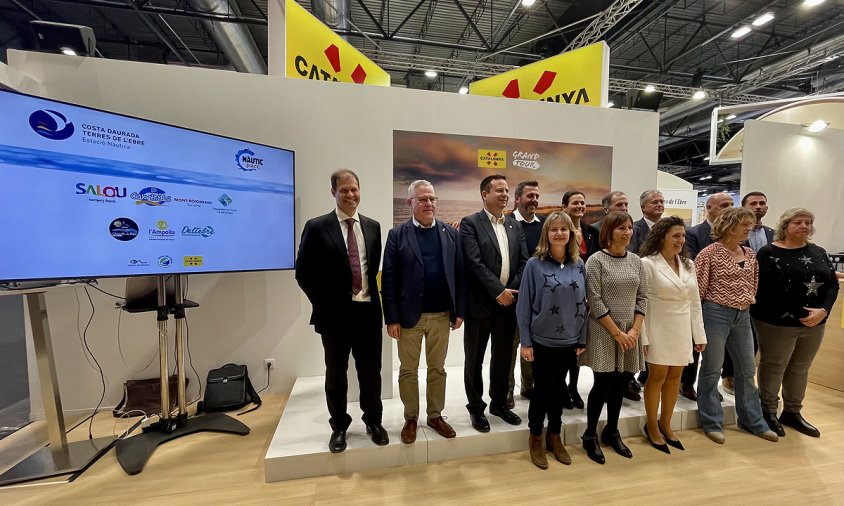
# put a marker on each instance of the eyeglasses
(427, 200)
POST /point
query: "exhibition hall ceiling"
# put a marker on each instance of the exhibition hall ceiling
(681, 44)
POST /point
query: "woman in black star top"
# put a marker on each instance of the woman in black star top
(797, 288)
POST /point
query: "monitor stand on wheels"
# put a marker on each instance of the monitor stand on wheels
(134, 452)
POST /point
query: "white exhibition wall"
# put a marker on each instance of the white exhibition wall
(245, 318)
(797, 169)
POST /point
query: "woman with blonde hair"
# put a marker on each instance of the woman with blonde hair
(727, 275)
(797, 288)
(551, 314)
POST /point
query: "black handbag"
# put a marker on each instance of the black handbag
(229, 388)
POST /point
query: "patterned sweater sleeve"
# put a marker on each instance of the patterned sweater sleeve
(702, 261)
(642, 289)
(594, 282)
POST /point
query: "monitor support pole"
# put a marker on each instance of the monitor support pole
(134, 452)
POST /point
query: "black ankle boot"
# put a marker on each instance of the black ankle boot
(613, 440)
(774, 424)
(798, 423)
(593, 449)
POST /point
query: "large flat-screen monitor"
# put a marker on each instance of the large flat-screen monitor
(92, 194)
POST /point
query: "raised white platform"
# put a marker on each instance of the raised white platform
(299, 448)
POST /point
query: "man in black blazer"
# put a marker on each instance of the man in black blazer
(697, 238)
(336, 267)
(652, 204)
(495, 254)
(424, 295)
(612, 201)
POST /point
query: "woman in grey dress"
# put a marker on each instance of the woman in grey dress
(616, 292)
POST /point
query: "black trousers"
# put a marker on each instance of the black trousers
(689, 375)
(608, 387)
(365, 345)
(499, 327)
(550, 366)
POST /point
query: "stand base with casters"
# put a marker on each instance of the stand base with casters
(134, 452)
(56, 461)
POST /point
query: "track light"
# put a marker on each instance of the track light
(430, 74)
(699, 94)
(464, 90)
(649, 88)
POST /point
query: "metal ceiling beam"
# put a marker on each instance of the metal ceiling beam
(436, 43)
(472, 24)
(602, 24)
(171, 11)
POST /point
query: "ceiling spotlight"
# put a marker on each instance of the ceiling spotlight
(68, 51)
(699, 94)
(817, 126)
(649, 88)
(464, 90)
(741, 32)
(721, 120)
(528, 3)
(811, 3)
(610, 104)
(731, 116)
(706, 158)
(764, 18)
(430, 74)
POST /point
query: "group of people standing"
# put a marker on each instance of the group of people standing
(620, 297)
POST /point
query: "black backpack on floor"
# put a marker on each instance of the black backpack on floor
(229, 388)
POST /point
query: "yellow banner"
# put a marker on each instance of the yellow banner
(577, 77)
(492, 159)
(314, 51)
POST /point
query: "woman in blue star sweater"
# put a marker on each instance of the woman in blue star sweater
(551, 313)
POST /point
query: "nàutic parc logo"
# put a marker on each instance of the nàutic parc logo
(51, 125)
(247, 161)
(151, 196)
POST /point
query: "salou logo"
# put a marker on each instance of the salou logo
(247, 161)
(111, 192)
(206, 231)
(123, 229)
(51, 125)
(151, 196)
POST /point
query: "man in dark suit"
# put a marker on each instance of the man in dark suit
(495, 254)
(652, 204)
(423, 288)
(612, 201)
(697, 238)
(336, 267)
(526, 200)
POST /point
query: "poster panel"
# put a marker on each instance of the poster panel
(682, 203)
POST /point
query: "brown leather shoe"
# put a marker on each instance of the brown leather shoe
(408, 432)
(511, 401)
(441, 427)
(554, 444)
(537, 452)
(688, 391)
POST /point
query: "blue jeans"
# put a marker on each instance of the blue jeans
(728, 328)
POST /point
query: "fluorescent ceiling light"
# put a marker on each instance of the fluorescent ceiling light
(430, 74)
(812, 3)
(817, 126)
(764, 18)
(68, 51)
(610, 104)
(528, 3)
(649, 88)
(463, 90)
(741, 32)
(699, 94)
(731, 116)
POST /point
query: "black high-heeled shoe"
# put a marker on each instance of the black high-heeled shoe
(671, 442)
(663, 447)
(593, 449)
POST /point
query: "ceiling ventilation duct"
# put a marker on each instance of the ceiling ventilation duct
(234, 39)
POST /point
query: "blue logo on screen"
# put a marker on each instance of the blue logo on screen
(165, 261)
(123, 229)
(51, 124)
(246, 160)
(225, 200)
(151, 196)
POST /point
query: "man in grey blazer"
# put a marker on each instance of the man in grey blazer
(652, 204)
(495, 254)
(612, 201)
(422, 285)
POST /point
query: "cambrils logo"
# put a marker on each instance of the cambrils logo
(51, 125)
(247, 161)
(151, 196)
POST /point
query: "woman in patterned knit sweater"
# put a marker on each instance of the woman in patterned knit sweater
(727, 275)
(616, 289)
(797, 288)
(551, 311)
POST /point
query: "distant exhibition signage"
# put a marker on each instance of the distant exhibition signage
(315, 52)
(576, 77)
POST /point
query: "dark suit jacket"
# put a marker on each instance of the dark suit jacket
(482, 260)
(640, 233)
(698, 237)
(324, 274)
(769, 236)
(590, 236)
(403, 275)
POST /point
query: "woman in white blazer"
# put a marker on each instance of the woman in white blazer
(673, 325)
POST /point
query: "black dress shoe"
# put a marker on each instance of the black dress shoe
(378, 434)
(506, 415)
(593, 449)
(576, 400)
(774, 424)
(635, 386)
(511, 402)
(567, 401)
(688, 392)
(661, 447)
(671, 442)
(479, 422)
(526, 393)
(337, 443)
(630, 393)
(613, 440)
(798, 423)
